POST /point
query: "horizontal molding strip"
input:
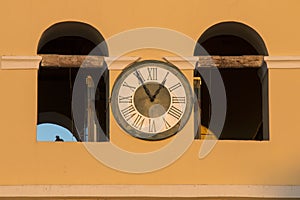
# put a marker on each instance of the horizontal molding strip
(266, 191)
(47, 60)
(20, 62)
(282, 62)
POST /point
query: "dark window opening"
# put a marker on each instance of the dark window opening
(72, 38)
(55, 84)
(246, 88)
(76, 46)
(228, 45)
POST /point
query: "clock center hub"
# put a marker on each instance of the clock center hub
(151, 106)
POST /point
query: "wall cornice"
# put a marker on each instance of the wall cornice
(20, 62)
(282, 62)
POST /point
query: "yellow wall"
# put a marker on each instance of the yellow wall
(23, 22)
(25, 161)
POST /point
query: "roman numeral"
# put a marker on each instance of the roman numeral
(139, 76)
(175, 112)
(152, 73)
(165, 79)
(138, 122)
(167, 125)
(178, 99)
(174, 87)
(125, 84)
(125, 99)
(128, 112)
(152, 127)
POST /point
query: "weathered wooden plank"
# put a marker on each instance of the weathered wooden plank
(71, 61)
(204, 61)
(49, 60)
(230, 61)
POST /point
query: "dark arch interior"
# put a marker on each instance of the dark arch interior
(228, 45)
(55, 85)
(72, 38)
(244, 86)
(232, 37)
(76, 46)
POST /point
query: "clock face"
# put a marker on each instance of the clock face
(151, 100)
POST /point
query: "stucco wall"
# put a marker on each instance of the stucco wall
(25, 161)
(23, 22)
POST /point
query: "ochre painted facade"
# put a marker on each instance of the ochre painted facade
(24, 161)
(23, 22)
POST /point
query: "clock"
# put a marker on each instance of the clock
(151, 100)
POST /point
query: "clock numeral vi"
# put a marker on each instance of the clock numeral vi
(152, 128)
(175, 112)
(152, 73)
(128, 112)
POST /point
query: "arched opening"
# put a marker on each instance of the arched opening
(55, 84)
(246, 88)
(72, 38)
(230, 39)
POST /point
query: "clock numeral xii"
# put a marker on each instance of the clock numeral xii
(152, 73)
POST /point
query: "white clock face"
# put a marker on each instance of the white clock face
(151, 100)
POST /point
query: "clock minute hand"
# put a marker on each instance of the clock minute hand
(144, 86)
(147, 92)
(160, 87)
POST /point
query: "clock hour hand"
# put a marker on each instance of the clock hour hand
(147, 91)
(160, 87)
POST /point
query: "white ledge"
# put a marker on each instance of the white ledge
(119, 63)
(282, 62)
(20, 62)
(183, 62)
(252, 191)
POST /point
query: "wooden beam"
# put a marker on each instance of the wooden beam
(204, 61)
(71, 61)
(230, 61)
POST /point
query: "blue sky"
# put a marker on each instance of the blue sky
(47, 132)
